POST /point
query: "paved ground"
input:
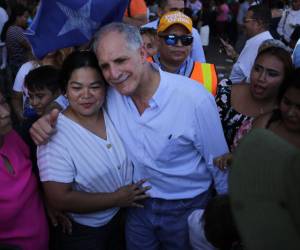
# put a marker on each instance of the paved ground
(219, 58)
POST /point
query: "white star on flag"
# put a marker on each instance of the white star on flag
(78, 19)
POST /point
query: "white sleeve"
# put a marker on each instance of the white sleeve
(20, 77)
(210, 140)
(280, 24)
(197, 49)
(55, 163)
(197, 237)
(296, 55)
(62, 101)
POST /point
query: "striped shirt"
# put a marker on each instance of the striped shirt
(76, 155)
(17, 53)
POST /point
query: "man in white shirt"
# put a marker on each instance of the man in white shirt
(165, 6)
(172, 131)
(290, 18)
(256, 24)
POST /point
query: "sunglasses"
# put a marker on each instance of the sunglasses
(172, 40)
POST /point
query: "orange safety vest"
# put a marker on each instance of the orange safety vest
(204, 73)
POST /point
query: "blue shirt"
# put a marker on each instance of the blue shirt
(174, 141)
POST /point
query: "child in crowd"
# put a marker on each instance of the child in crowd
(150, 41)
(43, 86)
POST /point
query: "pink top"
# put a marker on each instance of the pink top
(22, 216)
(223, 11)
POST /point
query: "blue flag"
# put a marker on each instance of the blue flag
(65, 23)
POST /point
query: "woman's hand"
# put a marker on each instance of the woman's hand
(59, 218)
(223, 161)
(130, 195)
(230, 51)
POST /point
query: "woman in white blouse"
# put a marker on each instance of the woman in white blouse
(84, 167)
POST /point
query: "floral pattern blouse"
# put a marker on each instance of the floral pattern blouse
(230, 118)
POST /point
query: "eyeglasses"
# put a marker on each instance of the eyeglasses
(247, 20)
(172, 40)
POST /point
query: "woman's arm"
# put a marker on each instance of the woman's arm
(62, 197)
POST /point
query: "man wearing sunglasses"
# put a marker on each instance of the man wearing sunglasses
(175, 42)
(165, 6)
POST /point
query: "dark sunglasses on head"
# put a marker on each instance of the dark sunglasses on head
(172, 40)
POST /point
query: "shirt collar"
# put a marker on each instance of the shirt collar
(265, 33)
(184, 69)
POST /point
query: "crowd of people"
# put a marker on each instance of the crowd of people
(132, 142)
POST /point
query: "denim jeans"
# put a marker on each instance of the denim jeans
(162, 224)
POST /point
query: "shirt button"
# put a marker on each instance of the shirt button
(108, 146)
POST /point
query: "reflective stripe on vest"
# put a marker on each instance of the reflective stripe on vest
(205, 73)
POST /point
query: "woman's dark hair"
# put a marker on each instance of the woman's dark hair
(77, 60)
(292, 81)
(17, 10)
(219, 226)
(283, 55)
(2, 88)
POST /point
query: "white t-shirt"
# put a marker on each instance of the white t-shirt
(76, 155)
(20, 78)
(197, 237)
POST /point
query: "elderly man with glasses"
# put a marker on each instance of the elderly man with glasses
(256, 24)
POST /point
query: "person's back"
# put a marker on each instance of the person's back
(136, 13)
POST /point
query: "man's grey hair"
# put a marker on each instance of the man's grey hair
(131, 33)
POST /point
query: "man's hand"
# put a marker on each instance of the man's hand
(223, 161)
(230, 51)
(44, 127)
(128, 196)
